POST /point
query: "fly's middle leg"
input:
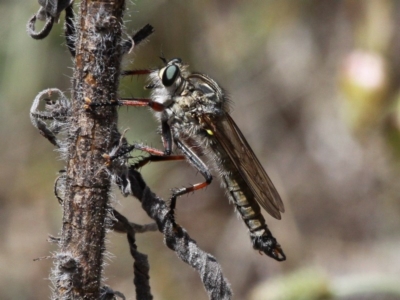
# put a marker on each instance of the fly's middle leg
(158, 155)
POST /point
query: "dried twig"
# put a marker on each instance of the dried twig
(175, 237)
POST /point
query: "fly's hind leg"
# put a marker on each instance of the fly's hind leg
(199, 165)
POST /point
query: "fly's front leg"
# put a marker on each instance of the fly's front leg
(138, 102)
(89, 104)
(199, 165)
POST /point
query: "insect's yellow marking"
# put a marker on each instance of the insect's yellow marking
(209, 131)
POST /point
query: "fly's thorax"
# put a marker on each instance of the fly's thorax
(211, 91)
(184, 121)
(180, 109)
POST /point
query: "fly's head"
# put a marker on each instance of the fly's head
(168, 82)
(170, 76)
(187, 96)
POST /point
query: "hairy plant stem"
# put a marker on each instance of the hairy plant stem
(78, 265)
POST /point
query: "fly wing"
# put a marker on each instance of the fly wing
(229, 136)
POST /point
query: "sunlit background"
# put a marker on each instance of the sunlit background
(315, 87)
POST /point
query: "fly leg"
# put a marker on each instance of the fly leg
(158, 155)
(89, 104)
(118, 157)
(126, 102)
(153, 158)
(199, 165)
(155, 155)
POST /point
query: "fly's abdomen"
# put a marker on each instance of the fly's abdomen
(248, 209)
(250, 212)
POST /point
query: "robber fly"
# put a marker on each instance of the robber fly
(194, 114)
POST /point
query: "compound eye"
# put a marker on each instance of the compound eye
(169, 75)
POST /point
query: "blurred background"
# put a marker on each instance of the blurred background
(315, 87)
